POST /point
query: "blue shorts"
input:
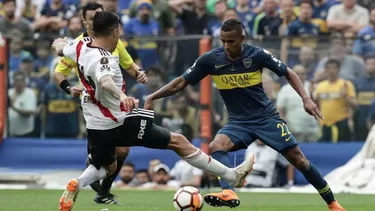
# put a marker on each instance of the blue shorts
(272, 131)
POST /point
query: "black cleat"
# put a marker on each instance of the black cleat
(106, 199)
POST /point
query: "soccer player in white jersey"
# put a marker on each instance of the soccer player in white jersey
(113, 119)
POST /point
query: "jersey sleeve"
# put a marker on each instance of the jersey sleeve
(65, 66)
(272, 63)
(126, 60)
(70, 50)
(105, 67)
(199, 70)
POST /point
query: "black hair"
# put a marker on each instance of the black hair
(105, 22)
(368, 57)
(19, 73)
(142, 171)
(8, 1)
(232, 24)
(307, 2)
(333, 61)
(90, 6)
(128, 164)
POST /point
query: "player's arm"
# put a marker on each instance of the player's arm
(310, 107)
(276, 66)
(126, 61)
(296, 83)
(104, 72)
(196, 73)
(129, 65)
(108, 85)
(63, 68)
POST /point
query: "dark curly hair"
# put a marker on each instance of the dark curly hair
(232, 24)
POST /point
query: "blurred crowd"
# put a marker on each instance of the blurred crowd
(329, 43)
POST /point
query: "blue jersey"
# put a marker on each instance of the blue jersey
(298, 28)
(365, 43)
(147, 50)
(62, 112)
(365, 88)
(321, 11)
(239, 82)
(247, 18)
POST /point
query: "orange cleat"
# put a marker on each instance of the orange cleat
(69, 196)
(227, 198)
(335, 206)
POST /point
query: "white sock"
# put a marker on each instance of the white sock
(201, 160)
(90, 175)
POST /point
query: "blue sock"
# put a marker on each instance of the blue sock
(223, 158)
(314, 177)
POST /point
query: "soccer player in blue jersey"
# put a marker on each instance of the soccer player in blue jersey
(236, 69)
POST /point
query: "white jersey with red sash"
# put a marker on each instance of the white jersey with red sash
(101, 110)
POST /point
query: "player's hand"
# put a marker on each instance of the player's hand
(59, 43)
(148, 103)
(312, 109)
(141, 77)
(75, 91)
(129, 103)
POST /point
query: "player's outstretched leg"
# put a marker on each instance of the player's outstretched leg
(90, 175)
(103, 195)
(296, 157)
(219, 148)
(161, 138)
(197, 158)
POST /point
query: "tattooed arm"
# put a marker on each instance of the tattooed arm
(108, 85)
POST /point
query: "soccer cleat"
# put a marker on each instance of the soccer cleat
(335, 206)
(106, 199)
(227, 198)
(243, 170)
(69, 196)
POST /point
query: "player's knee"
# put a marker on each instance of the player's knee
(297, 159)
(122, 152)
(301, 163)
(221, 143)
(177, 141)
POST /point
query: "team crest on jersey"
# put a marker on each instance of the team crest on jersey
(104, 60)
(247, 62)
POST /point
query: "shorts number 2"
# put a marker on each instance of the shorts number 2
(284, 129)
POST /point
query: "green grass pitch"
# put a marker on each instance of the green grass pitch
(47, 200)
